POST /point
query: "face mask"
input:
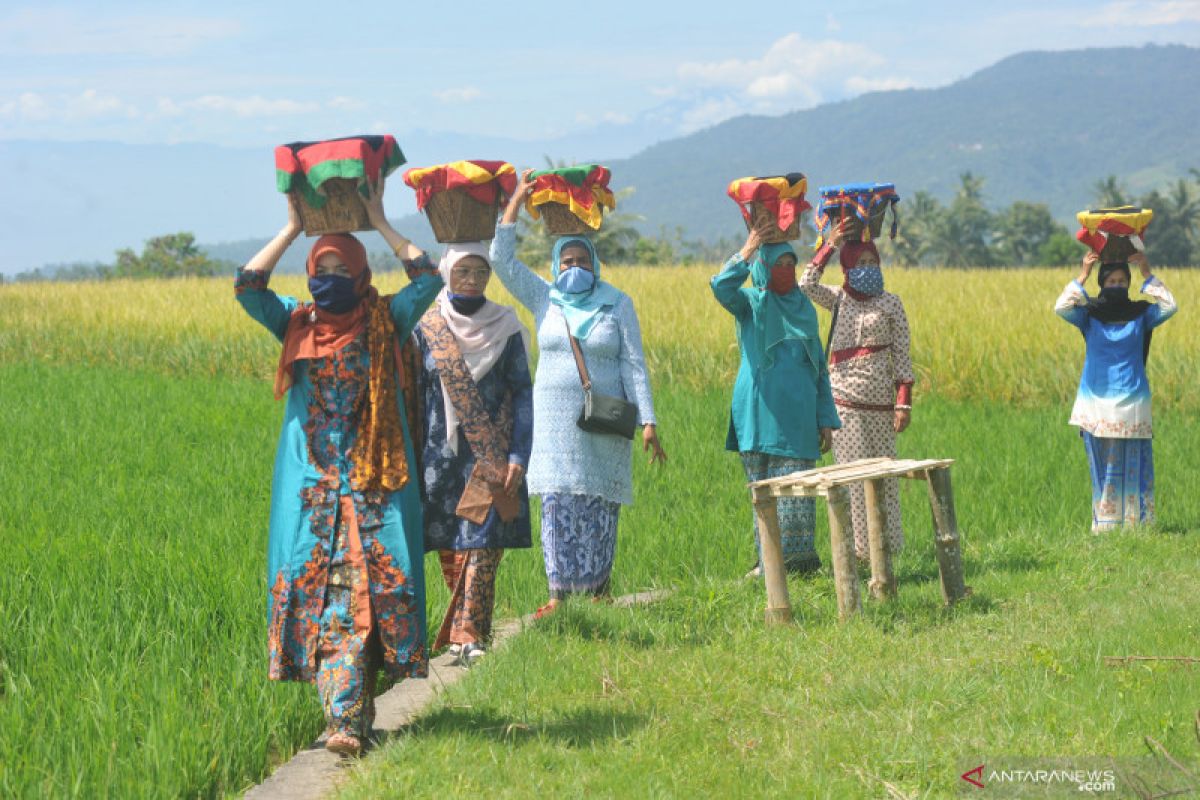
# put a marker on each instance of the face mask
(575, 280)
(333, 293)
(865, 280)
(1117, 294)
(783, 279)
(466, 304)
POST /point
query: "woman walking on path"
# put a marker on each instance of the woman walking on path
(782, 417)
(1112, 406)
(870, 369)
(478, 416)
(345, 553)
(582, 477)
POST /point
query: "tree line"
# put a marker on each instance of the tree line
(961, 233)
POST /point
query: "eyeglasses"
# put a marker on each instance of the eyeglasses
(477, 274)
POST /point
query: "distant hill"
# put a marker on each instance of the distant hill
(1042, 126)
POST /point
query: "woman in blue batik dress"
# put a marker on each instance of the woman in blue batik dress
(346, 587)
(1112, 406)
(478, 414)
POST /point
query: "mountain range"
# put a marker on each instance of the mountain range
(1041, 126)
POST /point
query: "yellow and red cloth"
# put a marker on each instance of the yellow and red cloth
(582, 188)
(305, 166)
(1100, 223)
(489, 182)
(783, 196)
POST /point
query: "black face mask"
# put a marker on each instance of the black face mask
(1115, 294)
(467, 305)
(333, 293)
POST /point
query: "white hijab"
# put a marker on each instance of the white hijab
(481, 337)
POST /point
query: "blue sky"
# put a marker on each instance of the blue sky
(257, 74)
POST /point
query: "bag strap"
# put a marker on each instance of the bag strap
(580, 364)
(832, 324)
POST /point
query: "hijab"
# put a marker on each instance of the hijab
(778, 317)
(481, 336)
(313, 332)
(581, 309)
(1114, 306)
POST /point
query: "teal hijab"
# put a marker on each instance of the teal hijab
(582, 309)
(778, 318)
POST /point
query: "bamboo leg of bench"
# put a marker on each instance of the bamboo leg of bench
(779, 605)
(945, 537)
(841, 543)
(883, 580)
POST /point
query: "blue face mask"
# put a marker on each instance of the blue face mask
(865, 280)
(575, 280)
(466, 304)
(333, 293)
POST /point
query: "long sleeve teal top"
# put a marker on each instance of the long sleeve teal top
(781, 397)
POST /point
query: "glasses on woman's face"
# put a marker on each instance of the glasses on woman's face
(472, 274)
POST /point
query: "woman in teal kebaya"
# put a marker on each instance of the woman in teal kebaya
(782, 415)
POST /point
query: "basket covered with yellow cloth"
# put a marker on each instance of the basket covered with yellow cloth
(571, 199)
(462, 198)
(324, 178)
(772, 203)
(1114, 233)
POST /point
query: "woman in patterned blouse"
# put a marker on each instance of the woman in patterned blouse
(870, 369)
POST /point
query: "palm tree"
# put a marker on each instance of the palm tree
(1109, 193)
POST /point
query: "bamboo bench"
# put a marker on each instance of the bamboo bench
(832, 483)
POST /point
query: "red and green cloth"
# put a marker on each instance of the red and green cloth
(783, 196)
(582, 188)
(489, 182)
(1100, 223)
(305, 166)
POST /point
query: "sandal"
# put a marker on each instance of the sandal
(343, 744)
(546, 610)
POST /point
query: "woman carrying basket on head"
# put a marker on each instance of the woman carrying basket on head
(1112, 406)
(345, 554)
(478, 414)
(583, 477)
(782, 416)
(870, 369)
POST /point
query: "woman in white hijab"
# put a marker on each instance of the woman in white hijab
(478, 423)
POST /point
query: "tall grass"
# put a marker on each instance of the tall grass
(977, 334)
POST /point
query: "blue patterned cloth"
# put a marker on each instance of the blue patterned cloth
(566, 459)
(579, 543)
(445, 473)
(797, 515)
(1122, 473)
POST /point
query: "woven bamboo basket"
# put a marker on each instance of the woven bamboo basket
(1117, 250)
(343, 211)
(854, 225)
(560, 221)
(455, 216)
(762, 219)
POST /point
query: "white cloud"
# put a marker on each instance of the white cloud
(1143, 14)
(461, 94)
(62, 32)
(253, 106)
(346, 104)
(89, 104)
(859, 85)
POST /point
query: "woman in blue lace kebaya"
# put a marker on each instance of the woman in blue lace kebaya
(344, 564)
(583, 478)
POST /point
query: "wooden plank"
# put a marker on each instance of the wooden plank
(946, 539)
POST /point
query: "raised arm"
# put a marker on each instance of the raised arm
(1165, 305)
(727, 284)
(530, 289)
(810, 282)
(1070, 304)
(250, 286)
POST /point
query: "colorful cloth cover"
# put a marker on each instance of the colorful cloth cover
(582, 188)
(489, 182)
(862, 199)
(1100, 223)
(783, 195)
(305, 166)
